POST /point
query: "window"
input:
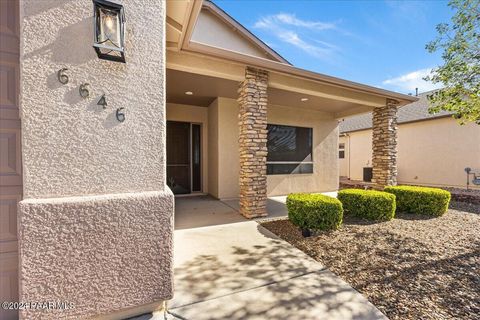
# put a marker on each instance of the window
(289, 150)
(341, 151)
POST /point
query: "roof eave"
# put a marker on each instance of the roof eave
(402, 122)
(271, 65)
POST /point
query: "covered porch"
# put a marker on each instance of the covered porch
(243, 123)
(251, 133)
(205, 211)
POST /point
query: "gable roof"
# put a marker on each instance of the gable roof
(181, 19)
(217, 28)
(415, 111)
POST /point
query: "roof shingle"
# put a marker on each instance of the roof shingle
(414, 111)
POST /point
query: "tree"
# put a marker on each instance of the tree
(460, 72)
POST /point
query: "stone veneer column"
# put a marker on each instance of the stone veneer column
(253, 143)
(384, 144)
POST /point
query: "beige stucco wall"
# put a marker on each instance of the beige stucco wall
(433, 152)
(214, 32)
(436, 152)
(71, 146)
(213, 149)
(358, 146)
(102, 253)
(228, 155)
(96, 220)
(198, 115)
(223, 157)
(325, 140)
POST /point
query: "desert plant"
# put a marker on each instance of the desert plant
(314, 211)
(422, 200)
(369, 204)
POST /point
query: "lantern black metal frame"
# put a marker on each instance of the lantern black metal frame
(118, 8)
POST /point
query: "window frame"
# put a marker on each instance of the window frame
(341, 149)
(310, 162)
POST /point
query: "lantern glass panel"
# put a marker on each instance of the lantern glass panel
(109, 25)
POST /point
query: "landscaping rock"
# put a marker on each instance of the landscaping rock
(412, 267)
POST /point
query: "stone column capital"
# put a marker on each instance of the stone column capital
(392, 103)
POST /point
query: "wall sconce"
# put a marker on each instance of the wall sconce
(109, 26)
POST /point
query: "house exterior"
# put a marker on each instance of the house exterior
(89, 166)
(433, 149)
(203, 76)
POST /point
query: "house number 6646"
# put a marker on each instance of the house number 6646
(120, 114)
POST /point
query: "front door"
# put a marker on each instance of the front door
(183, 157)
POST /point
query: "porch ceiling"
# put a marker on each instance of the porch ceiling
(206, 88)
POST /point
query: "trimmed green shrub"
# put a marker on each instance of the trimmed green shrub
(422, 200)
(369, 204)
(314, 211)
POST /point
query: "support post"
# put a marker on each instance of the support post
(384, 144)
(252, 118)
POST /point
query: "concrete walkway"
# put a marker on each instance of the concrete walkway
(236, 269)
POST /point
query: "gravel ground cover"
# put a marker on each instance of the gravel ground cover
(413, 267)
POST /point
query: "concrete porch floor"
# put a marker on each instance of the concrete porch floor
(227, 267)
(202, 211)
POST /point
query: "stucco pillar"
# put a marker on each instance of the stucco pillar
(96, 222)
(252, 117)
(384, 144)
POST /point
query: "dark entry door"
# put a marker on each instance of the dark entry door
(178, 157)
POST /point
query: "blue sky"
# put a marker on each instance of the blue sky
(380, 43)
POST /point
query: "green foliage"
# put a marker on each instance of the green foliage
(429, 201)
(314, 211)
(369, 204)
(459, 42)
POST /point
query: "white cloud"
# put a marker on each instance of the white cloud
(291, 19)
(409, 81)
(412, 11)
(290, 29)
(294, 39)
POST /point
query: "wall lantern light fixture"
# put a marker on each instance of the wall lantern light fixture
(109, 28)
